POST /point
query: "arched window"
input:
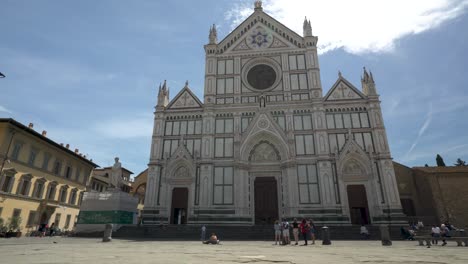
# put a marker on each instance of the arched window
(140, 193)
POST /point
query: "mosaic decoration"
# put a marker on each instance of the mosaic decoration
(259, 38)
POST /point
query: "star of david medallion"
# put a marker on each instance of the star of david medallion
(259, 38)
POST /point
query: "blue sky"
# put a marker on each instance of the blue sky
(88, 71)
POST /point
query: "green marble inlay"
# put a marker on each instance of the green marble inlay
(105, 217)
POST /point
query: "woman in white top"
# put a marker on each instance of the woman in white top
(435, 232)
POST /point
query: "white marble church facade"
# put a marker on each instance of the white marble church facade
(266, 143)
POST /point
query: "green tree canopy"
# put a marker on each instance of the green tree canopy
(440, 161)
(460, 162)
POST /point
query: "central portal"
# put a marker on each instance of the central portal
(359, 210)
(266, 200)
(179, 206)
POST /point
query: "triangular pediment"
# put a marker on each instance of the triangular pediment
(263, 122)
(185, 99)
(260, 31)
(181, 153)
(343, 90)
(264, 132)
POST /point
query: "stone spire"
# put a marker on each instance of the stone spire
(368, 84)
(163, 95)
(213, 38)
(258, 6)
(307, 27)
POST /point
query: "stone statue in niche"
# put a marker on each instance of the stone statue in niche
(116, 174)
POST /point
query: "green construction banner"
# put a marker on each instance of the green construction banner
(105, 217)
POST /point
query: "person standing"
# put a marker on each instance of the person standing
(312, 231)
(295, 225)
(203, 233)
(435, 234)
(304, 226)
(277, 228)
(286, 238)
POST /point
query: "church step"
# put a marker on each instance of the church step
(187, 232)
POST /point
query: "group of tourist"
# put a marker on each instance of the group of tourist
(437, 232)
(305, 227)
(441, 232)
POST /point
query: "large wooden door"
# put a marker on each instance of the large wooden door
(179, 206)
(266, 200)
(358, 206)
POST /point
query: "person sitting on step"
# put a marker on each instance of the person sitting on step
(213, 240)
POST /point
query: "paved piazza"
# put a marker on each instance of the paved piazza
(85, 250)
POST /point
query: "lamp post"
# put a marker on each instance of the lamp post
(2, 75)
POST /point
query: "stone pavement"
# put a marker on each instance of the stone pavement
(90, 250)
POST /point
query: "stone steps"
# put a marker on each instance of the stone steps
(256, 232)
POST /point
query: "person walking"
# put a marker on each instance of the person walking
(277, 228)
(203, 233)
(304, 226)
(295, 225)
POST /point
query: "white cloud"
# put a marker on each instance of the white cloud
(357, 26)
(4, 109)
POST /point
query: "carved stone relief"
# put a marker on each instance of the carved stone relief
(264, 151)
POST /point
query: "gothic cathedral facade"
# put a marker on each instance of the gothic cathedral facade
(266, 143)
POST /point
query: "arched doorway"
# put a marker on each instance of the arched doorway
(266, 200)
(358, 205)
(179, 206)
(264, 153)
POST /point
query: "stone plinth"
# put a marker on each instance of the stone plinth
(111, 207)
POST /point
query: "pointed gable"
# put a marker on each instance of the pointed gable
(260, 30)
(343, 90)
(185, 99)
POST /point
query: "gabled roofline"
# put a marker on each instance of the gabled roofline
(186, 88)
(259, 12)
(341, 78)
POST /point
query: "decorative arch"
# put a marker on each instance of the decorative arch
(264, 137)
(264, 151)
(140, 192)
(181, 172)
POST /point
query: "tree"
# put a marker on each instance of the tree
(426, 165)
(460, 162)
(440, 161)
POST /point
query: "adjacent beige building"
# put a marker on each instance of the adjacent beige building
(101, 179)
(41, 181)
